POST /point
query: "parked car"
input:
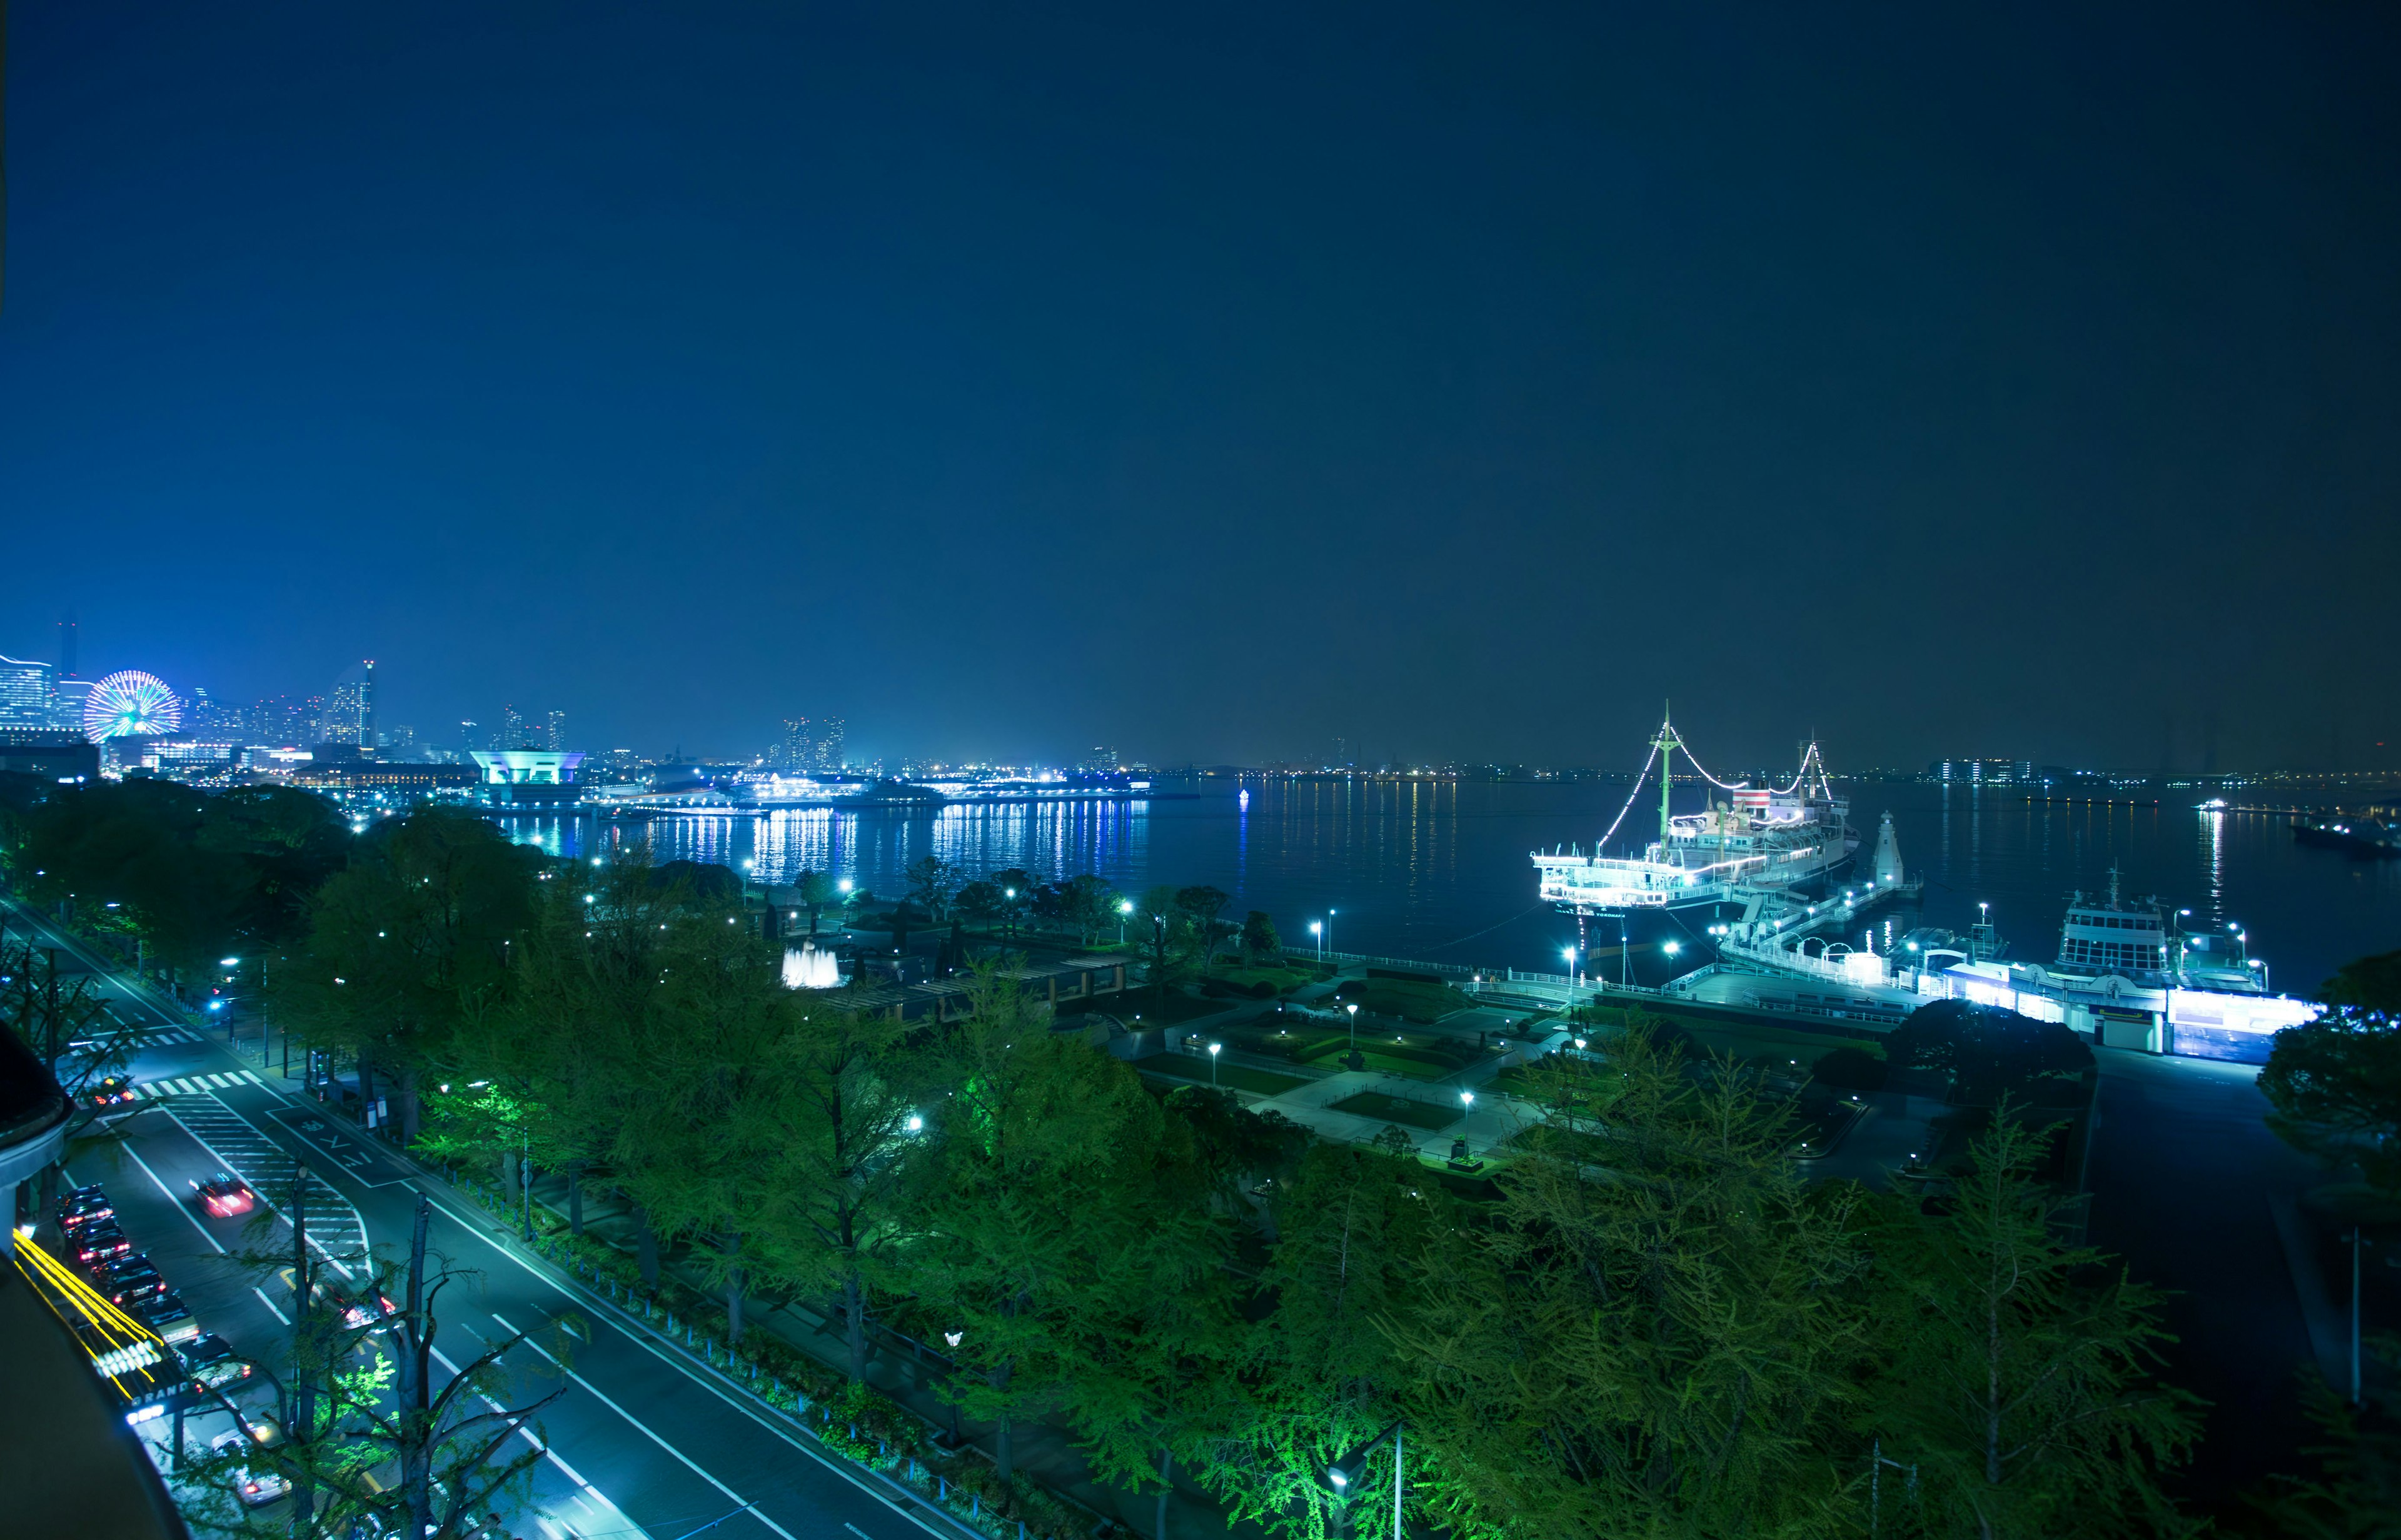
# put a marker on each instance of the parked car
(83, 1206)
(129, 1281)
(257, 1482)
(168, 1316)
(210, 1363)
(96, 1245)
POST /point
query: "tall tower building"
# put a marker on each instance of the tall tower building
(513, 730)
(829, 749)
(351, 712)
(557, 734)
(798, 752)
(67, 648)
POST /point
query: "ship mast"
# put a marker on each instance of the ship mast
(1667, 743)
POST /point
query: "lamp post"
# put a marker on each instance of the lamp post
(1213, 1049)
(1329, 931)
(1318, 931)
(1354, 1029)
(1125, 907)
(1010, 912)
(1345, 1473)
(1569, 954)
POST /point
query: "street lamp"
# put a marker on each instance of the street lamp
(1329, 931)
(1354, 1029)
(1319, 931)
(1345, 1474)
(1569, 954)
(1671, 948)
(1213, 1049)
(1125, 907)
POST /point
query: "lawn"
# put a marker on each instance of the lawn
(1411, 1000)
(1432, 1117)
(1234, 1077)
(1141, 1008)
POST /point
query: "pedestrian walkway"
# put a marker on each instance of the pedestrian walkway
(195, 1085)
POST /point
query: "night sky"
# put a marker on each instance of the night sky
(1458, 380)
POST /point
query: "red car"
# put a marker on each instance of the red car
(225, 1195)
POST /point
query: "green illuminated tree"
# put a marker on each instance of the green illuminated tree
(2016, 1375)
(849, 1105)
(1033, 1227)
(819, 891)
(1657, 1333)
(1321, 1372)
(408, 941)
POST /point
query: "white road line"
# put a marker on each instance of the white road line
(654, 1351)
(523, 1431)
(599, 1396)
(254, 1080)
(223, 1083)
(856, 1531)
(170, 1198)
(270, 1305)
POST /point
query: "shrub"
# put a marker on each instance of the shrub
(1851, 1069)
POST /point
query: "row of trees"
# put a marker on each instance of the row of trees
(1656, 1328)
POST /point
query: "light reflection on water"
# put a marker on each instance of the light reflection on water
(1438, 868)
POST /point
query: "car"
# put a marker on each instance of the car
(83, 1206)
(225, 1195)
(370, 1308)
(114, 1090)
(210, 1362)
(129, 1281)
(96, 1245)
(166, 1315)
(257, 1483)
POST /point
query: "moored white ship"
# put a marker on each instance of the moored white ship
(1753, 838)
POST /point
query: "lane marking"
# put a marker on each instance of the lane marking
(523, 1430)
(270, 1305)
(602, 1397)
(856, 1531)
(186, 1213)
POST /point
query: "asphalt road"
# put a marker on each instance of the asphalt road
(641, 1443)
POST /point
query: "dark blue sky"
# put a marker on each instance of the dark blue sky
(1456, 380)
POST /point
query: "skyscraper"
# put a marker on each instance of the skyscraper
(829, 750)
(513, 730)
(557, 737)
(350, 717)
(67, 648)
(28, 694)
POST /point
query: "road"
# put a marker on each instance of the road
(2184, 1170)
(641, 1443)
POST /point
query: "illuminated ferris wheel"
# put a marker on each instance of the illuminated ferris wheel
(130, 704)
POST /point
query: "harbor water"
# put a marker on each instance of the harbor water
(1438, 868)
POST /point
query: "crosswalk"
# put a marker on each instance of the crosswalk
(335, 1228)
(195, 1085)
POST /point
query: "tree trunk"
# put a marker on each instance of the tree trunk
(1166, 1485)
(853, 1305)
(733, 1291)
(409, 1111)
(510, 1177)
(1003, 1450)
(416, 1371)
(646, 1247)
(304, 1393)
(575, 1197)
(367, 1088)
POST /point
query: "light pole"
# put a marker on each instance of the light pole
(1354, 1029)
(1125, 907)
(1569, 954)
(1319, 931)
(1009, 913)
(1213, 1049)
(1345, 1473)
(1329, 931)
